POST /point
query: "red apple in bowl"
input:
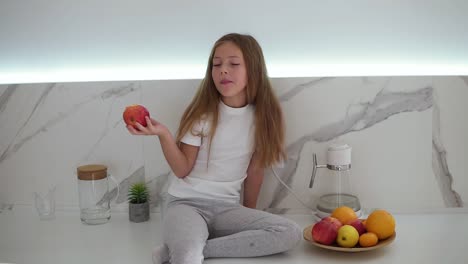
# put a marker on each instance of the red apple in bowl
(135, 113)
(357, 223)
(326, 230)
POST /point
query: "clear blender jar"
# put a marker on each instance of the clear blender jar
(335, 188)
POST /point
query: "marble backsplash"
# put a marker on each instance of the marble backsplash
(407, 133)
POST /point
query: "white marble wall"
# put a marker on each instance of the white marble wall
(407, 133)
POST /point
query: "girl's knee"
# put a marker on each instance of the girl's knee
(186, 251)
(291, 234)
(298, 232)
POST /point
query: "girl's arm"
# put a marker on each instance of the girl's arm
(181, 160)
(253, 182)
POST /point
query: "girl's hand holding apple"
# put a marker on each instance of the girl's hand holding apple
(138, 121)
(153, 127)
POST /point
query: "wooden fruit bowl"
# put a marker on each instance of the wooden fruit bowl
(307, 233)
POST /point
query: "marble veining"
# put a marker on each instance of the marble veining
(439, 164)
(120, 91)
(12, 147)
(19, 140)
(157, 187)
(113, 93)
(124, 185)
(5, 96)
(385, 105)
(299, 88)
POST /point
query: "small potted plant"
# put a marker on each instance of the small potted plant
(138, 204)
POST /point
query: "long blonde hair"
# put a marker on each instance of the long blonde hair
(269, 122)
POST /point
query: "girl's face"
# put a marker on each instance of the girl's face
(230, 74)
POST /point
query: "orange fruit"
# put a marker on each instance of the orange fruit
(368, 239)
(364, 222)
(381, 223)
(344, 214)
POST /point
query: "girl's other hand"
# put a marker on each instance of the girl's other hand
(153, 127)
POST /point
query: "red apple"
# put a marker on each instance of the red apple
(326, 230)
(135, 113)
(357, 223)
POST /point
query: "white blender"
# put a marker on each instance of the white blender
(335, 187)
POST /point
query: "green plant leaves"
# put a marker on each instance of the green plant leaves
(138, 193)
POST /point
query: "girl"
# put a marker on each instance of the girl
(232, 130)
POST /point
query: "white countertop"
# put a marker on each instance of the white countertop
(433, 237)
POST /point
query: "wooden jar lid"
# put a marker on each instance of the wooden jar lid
(92, 172)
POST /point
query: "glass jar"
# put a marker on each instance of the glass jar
(93, 192)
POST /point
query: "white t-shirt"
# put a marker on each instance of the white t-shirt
(231, 151)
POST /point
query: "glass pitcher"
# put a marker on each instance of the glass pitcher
(93, 192)
(335, 188)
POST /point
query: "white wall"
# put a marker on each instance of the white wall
(65, 40)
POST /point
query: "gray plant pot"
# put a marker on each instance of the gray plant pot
(138, 212)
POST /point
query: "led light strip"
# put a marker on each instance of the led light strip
(177, 72)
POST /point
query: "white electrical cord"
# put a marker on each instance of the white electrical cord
(290, 190)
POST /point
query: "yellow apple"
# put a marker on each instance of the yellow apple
(348, 236)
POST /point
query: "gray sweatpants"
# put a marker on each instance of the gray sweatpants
(195, 229)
